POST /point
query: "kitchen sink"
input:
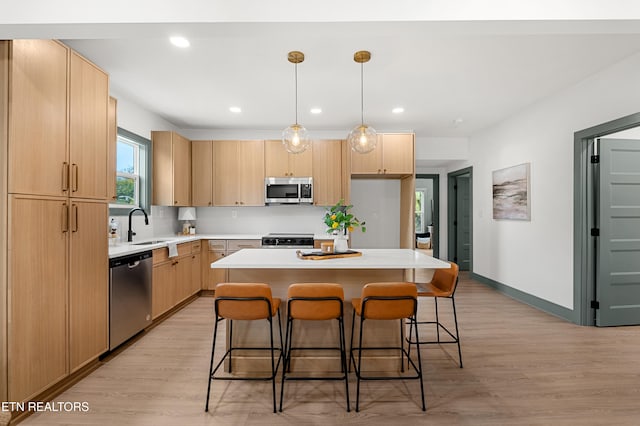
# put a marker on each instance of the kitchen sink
(146, 243)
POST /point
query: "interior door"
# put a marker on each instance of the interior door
(463, 222)
(618, 252)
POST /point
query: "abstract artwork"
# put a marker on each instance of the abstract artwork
(511, 193)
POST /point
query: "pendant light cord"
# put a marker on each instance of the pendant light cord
(362, 93)
(296, 78)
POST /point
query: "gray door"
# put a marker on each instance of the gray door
(463, 222)
(618, 264)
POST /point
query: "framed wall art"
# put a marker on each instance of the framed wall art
(511, 193)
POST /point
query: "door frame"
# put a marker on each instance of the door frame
(436, 209)
(584, 205)
(451, 212)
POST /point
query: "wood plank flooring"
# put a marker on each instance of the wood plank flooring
(521, 367)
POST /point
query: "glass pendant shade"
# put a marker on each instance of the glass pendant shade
(363, 139)
(295, 139)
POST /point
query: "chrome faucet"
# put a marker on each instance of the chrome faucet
(130, 232)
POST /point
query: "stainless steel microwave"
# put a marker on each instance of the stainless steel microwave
(293, 190)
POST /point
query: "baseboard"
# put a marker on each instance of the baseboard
(533, 301)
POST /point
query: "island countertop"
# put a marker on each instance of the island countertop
(370, 259)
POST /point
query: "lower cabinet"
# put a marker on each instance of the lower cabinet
(217, 249)
(174, 278)
(58, 290)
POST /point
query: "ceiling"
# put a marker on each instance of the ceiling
(452, 78)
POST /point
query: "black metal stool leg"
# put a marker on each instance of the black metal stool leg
(415, 322)
(213, 349)
(455, 318)
(343, 357)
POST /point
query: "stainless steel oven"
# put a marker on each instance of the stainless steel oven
(287, 241)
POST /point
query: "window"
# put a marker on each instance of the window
(419, 211)
(132, 171)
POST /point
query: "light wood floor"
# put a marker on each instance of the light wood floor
(521, 367)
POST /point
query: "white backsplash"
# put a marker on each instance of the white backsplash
(163, 221)
(260, 220)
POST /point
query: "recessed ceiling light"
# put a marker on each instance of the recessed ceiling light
(397, 110)
(235, 109)
(179, 41)
(458, 121)
(316, 110)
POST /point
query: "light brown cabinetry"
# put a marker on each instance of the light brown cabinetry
(238, 173)
(202, 173)
(88, 106)
(280, 163)
(392, 157)
(218, 249)
(57, 122)
(171, 169)
(57, 262)
(112, 147)
(88, 283)
(327, 172)
(173, 278)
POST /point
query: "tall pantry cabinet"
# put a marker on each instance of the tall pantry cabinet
(55, 137)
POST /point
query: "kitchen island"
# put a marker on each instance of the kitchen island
(281, 267)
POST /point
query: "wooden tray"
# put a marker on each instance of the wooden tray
(318, 255)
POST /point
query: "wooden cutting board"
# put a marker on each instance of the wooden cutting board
(318, 255)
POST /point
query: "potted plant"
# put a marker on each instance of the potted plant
(340, 221)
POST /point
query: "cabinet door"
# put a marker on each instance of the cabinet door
(327, 172)
(276, 159)
(88, 107)
(369, 163)
(37, 276)
(226, 173)
(38, 118)
(88, 283)
(397, 154)
(196, 273)
(181, 171)
(201, 173)
(162, 294)
(112, 147)
(250, 173)
(301, 165)
(215, 275)
(182, 288)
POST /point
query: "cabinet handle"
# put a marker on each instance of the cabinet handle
(210, 203)
(175, 202)
(65, 218)
(65, 176)
(242, 202)
(237, 203)
(385, 171)
(379, 170)
(74, 178)
(74, 218)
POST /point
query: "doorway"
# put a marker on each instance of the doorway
(607, 219)
(427, 216)
(459, 212)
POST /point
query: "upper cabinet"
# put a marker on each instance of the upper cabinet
(112, 146)
(392, 157)
(238, 173)
(61, 149)
(88, 117)
(280, 163)
(202, 173)
(171, 169)
(327, 172)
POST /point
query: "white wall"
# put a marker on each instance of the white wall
(377, 202)
(134, 118)
(536, 257)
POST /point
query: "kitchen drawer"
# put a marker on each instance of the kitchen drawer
(196, 246)
(217, 245)
(235, 245)
(162, 254)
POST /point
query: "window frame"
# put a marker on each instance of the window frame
(143, 176)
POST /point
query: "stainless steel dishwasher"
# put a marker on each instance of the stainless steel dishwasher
(129, 296)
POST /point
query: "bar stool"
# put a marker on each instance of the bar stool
(314, 302)
(245, 301)
(386, 301)
(442, 285)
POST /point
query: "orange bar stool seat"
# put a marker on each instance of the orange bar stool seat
(247, 302)
(314, 302)
(442, 286)
(386, 301)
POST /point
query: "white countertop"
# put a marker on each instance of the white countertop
(124, 249)
(370, 259)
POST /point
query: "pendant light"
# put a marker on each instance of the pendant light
(362, 138)
(295, 138)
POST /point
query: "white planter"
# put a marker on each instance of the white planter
(340, 244)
